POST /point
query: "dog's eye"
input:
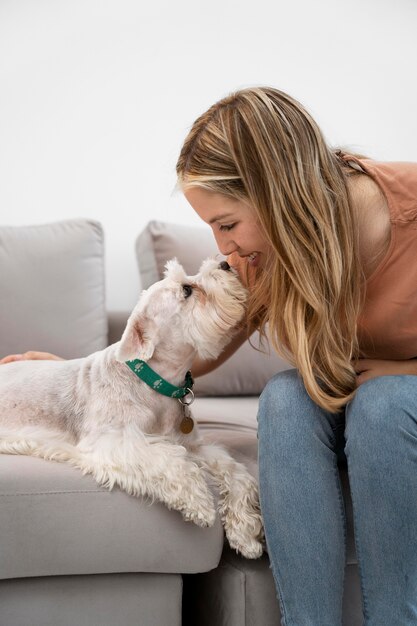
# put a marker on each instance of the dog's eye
(188, 290)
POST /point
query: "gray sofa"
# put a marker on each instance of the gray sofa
(73, 553)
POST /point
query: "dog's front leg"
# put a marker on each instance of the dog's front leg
(238, 504)
(150, 467)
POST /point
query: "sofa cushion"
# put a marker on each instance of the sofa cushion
(52, 292)
(161, 241)
(241, 592)
(232, 423)
(248, 370)
(97, 600)
(56, 521)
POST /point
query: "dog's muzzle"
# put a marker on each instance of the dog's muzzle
(224, 265)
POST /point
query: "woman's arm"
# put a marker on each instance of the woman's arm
(367, 369)
(200, 367)
(30, 356)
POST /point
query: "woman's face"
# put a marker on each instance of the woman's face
(234, 224)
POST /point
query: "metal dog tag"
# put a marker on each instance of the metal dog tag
(187, 422)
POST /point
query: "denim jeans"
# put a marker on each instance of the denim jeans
(302, 504)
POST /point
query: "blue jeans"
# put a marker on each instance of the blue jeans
(302, 504)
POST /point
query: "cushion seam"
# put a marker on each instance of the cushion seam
(52, 493)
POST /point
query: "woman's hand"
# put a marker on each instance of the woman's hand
(30, 356)
(371, 368)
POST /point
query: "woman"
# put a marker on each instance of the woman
(327, 243)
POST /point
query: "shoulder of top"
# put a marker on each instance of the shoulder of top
(394, 172)
(406, 167)
(398, 180)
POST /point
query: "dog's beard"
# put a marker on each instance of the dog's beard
(210, 328)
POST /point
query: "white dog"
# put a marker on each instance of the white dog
(99, 414)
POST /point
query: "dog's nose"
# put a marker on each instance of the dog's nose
(224, 265)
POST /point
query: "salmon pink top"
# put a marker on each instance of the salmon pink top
(387, 325)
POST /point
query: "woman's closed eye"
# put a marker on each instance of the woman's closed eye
(226, 227)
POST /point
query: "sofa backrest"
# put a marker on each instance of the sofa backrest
(52, 289)
(248, 370)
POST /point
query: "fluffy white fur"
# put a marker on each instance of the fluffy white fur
(95, 414)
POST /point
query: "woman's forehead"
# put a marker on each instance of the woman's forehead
(213, 206)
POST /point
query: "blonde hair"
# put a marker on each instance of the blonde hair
(261, 146)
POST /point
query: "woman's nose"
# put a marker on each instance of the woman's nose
(225, 244)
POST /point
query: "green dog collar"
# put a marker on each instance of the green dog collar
(151, 378)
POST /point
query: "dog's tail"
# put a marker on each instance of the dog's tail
(48, 444)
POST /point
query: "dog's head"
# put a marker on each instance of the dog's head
(180, 311)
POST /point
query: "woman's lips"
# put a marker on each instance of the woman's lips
(253, 259)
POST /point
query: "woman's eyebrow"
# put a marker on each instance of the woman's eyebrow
(219, 217)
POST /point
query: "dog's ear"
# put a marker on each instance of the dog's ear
(174, 270)
(138, 340)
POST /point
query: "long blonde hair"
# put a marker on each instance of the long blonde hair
(261, 146)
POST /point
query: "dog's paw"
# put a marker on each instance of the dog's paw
(250, 548)
(202, 516)
(244, 531)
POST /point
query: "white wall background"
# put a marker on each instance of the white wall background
(96, 97)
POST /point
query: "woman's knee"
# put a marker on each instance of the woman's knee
(380, 408)
(279, 386)
(287, 416)
(279, 395)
